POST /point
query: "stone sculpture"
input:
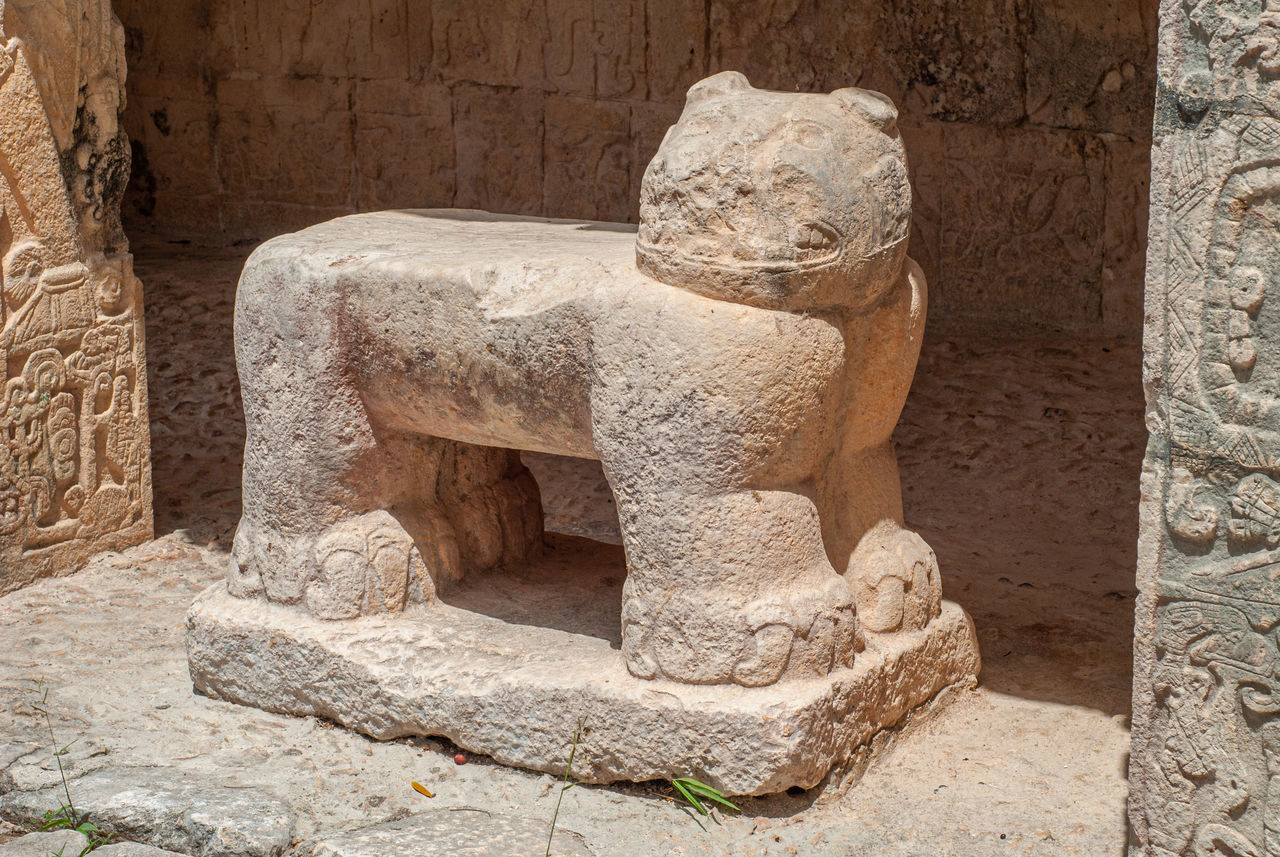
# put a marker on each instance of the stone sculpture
(1205, 774)
(75, 472)
(737, 366)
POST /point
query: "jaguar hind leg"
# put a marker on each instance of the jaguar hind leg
(342, 513)
(471, 508)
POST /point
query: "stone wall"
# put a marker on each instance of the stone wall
(1028, 123)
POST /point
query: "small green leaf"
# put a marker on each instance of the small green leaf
(697, 804)
(709, 792)
(720, 799)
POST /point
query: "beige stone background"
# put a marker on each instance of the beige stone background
(1027, 121)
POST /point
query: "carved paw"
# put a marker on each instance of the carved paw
(703, 640)
(808, 633)
(363, 566)
(895, 575)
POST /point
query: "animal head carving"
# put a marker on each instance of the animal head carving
(778, 200)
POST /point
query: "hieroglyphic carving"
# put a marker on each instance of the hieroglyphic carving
(1206, 757)
(74, 471)
(595, 47)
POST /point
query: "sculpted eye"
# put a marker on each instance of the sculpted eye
(811, 135)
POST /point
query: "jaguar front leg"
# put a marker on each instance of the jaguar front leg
(731, 589)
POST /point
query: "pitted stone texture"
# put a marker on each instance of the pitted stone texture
(11, 752)
(580, 502)
(70, 843)
(507, 686)
(62, 843)
(171, 810)
(134, 849)
(778, 200)
(986, 427)
(737, 367)
(39, 769)
(457, 832)
(1205, 770)
(76, 477)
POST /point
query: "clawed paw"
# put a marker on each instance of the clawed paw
(807, 633)
(361, 566)
(895, 575)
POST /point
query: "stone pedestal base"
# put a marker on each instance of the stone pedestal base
(512, 663)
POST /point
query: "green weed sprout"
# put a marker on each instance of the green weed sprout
(42, 706)
(565, 786)
(695, 792)
(65, 817)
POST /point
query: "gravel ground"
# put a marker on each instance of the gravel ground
(1020, 462)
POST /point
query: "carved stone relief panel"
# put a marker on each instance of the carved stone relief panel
(1206, 756)
(74, 451)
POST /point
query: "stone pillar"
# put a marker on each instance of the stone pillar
(74, 449)
(1205, 774)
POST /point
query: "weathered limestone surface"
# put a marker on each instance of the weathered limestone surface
(464, 832)
(1206, 738)
(513, 683)
(135, 849)
(1028, 122)
(170, 810)
(69, 842)
(737, 366)
(983, 434)
(75, 476)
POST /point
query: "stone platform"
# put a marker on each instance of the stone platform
(510, 664)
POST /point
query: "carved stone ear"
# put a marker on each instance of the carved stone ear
(870, 106)
(718, 84)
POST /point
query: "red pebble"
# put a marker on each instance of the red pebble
(459, 759)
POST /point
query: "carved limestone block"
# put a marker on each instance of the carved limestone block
(74, 448)
(737, 366)
(1205, 779)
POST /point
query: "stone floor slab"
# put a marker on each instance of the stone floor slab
(171, 810)
(62, 843)
(134, 849)
(457, 832)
